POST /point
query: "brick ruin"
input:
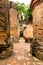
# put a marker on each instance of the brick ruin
(28, 31)
(9, 27)
(6, 47)
(14, 22)
(37, 46)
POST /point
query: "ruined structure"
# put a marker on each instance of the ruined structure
(14, 22)
(28, 32)
(6, 47)
(37, 46)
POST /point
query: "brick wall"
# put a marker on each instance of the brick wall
(14, 22)
(37, 9)
(3, 20)
(38, 21)
(28, 32)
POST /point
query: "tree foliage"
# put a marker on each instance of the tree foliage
(25, 9)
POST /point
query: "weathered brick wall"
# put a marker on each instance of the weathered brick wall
(6, 47)
(37, 47)
(28, 32)
(38, 21)
(14, 22)
(4, 1)
(4, 20)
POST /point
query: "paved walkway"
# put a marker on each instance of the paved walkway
(21, 55)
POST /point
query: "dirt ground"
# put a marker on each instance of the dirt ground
(21, 55)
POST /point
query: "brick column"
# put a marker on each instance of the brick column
(14, 22)
(6, 47)
(37, 45)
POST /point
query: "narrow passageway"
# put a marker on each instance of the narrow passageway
(21, 55)
(21, 23)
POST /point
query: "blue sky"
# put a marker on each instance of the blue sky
(22, 1)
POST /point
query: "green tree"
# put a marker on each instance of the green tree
(25, 9)
(21, 7)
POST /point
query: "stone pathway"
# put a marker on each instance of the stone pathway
(21, 55)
